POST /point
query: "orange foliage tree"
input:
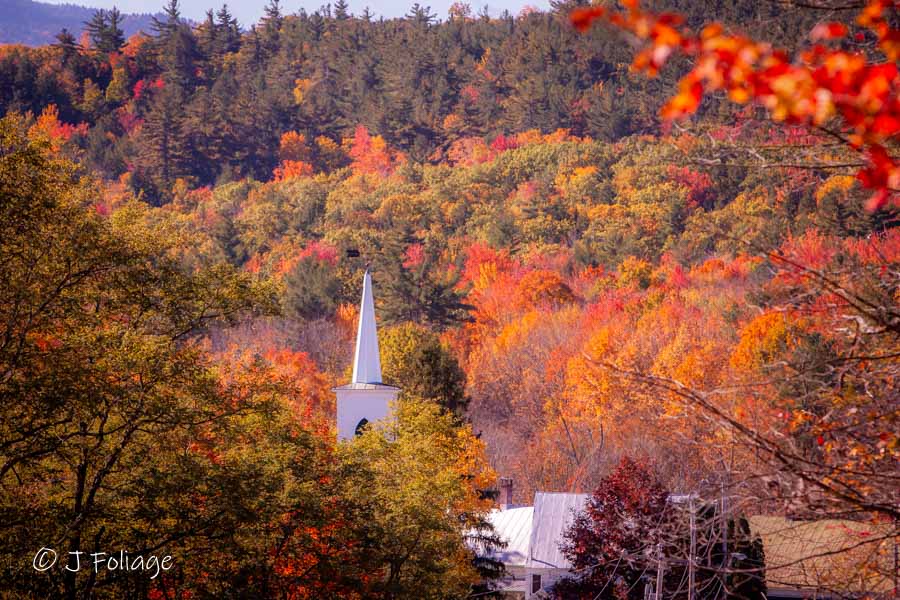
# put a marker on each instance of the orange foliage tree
(370, 154)
(847, 95)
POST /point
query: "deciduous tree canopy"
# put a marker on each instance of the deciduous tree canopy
(573, 289)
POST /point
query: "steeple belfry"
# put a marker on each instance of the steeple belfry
(366, 362)
(365, 399)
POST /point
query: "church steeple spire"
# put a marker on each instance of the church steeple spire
(366, 361)
(365, 400)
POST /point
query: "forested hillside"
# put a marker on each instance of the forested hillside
(565, 275)
(209, 104)
(37, 23)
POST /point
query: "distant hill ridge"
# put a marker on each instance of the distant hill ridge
(36, 23)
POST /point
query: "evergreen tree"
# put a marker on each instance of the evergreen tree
(229, 34)
(66, 42)
(167, 26)
(271, 26)
(421, 15)
(164, 149)
(115, 37)
(207, 34)
(176, 48)
(341, 10)
(423, 292)
(312, 289)
(96, 27)
(104, 30)
(272, 13)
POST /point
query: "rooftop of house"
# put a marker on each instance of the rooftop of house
(833, 557)
(829, 555)
(534, 533)
(553, 514)
(513, 525)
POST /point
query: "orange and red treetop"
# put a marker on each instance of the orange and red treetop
(820, 85)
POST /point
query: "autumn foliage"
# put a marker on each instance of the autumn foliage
(570, 291)
(846, 94)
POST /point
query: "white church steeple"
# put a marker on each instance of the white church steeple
(366, 362)
(365, 399)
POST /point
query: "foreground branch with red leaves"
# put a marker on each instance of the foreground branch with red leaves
(846, 94)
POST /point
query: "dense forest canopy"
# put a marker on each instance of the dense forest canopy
(565, 281)
(207, 104)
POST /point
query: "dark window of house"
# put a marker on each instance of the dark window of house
(535, 583)
(360, 427)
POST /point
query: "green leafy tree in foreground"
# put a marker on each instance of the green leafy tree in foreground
(420, 481)
(116, 430)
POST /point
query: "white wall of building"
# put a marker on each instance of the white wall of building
(548, 578)
(353, 405)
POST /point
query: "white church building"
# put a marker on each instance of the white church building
(365, 399)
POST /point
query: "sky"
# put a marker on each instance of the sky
(249, 11)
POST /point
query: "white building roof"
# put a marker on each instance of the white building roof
(366, 361)
(553, 514)
(513, 526)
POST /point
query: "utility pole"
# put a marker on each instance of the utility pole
(896, 563)
(693, 551)
(726, 560)
(724, 525)
(659, 572)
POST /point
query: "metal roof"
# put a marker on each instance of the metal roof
(513, 526)
(849, 557)
(553, 514)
